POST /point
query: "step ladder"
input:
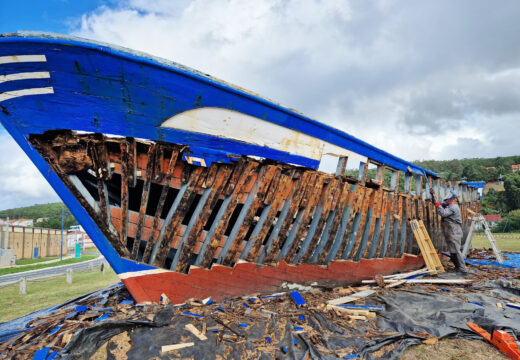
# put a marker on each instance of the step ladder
(479, 219)
(428, 251)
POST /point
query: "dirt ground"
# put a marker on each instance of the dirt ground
(454, 349)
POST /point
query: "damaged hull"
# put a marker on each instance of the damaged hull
(193, 188)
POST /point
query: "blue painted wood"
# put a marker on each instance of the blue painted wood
(310, 233)
(352, 237)
(209, 235)
(276, 229)
(297, 298)
(375, 239)
(142, 91)
(366, 234)
(191, 223)
(324, 237)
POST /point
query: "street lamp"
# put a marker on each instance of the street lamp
(63, 213)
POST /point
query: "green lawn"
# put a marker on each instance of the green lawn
(505, 241)
(13, 270)
(35, 261)
(44, 293)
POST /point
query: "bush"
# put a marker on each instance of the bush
(509, 223)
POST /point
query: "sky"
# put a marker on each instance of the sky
(424, 79)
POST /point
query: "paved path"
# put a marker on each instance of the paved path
(49, 272)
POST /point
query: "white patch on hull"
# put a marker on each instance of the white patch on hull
(24, 92)
(25, 76)
(235, 125)
(132, 274)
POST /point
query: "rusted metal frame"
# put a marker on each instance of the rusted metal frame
(132, 162)
(238, 181)
(282, 231)
(267, 202)
(152, 152)
(306, 204)
(124, 192)
(358, 225)
(377, 240)
(342, 166)
(155, 230)
(316, 232)
(254, 200)
(293, 185)
(220, 181)
(189, 191)
(310, 209)
(366, 225)
(101, 185)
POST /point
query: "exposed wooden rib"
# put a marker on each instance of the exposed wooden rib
(194, 182)
(158, 164)
(282, 233)
(364, 226)
(354, 222)
(218, 183)
(132, 162)
(144, 198)
(101, 185)
(243, 174)
(155, 231)
(266, 176)
(124, 192)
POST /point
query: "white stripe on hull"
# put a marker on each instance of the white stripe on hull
(22, 59)
(25, 76)
(24, 92)
(235, 125)
(132, 274)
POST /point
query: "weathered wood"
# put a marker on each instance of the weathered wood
(156, 227)
(144, 198)
(132, 162)
(124, 192)
(224, 171)
(99, 165)
(234, 187)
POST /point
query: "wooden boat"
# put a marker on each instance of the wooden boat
(191, 187)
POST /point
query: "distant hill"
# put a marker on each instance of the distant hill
(477, 169)
(51, 211)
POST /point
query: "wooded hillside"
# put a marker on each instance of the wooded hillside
(51, 211)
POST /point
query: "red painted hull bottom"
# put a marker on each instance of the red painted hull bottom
(223, 282)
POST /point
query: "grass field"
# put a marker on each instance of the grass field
(505, 241)
(44, 293)
(13, 270)
(35, 261)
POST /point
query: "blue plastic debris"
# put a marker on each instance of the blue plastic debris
(298, 328)
(475, 303)
(187, 313)
(41, 354)
(514, 306)
(52, 355)
(246, 305)
(301, 317)
(351, 356)
(55, 330)
(268, 339)
(295, 342)
(510, 261)
(297, 298)
(284, 349)
(103, 317)
(127, 301)
(253, 299)
(244, 325)
(207, 301)
(81, 308)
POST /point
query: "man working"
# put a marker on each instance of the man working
(452, 229)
